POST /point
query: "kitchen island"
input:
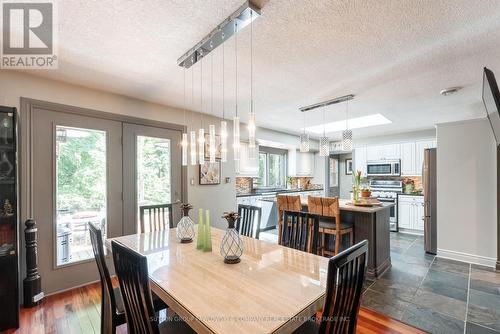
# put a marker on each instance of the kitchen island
(371, 223)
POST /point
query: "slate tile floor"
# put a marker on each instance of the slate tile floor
(434, 294)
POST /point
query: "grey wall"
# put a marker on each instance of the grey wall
(345, 181)
(466, 192)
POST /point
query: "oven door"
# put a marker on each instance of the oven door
(382, 168)
(393, 219)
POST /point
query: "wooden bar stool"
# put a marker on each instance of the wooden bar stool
(282, 203)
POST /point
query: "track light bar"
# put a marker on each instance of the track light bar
(327, 103)
(219, 35)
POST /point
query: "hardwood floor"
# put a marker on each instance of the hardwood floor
(77, 311)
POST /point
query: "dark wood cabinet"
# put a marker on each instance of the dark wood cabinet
(9, 245)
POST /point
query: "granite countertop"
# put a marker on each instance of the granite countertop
(260, 192)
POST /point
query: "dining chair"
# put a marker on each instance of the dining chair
(300, 231)
(156, 216)
(282, 204)
(112, 311)
(294, 203)
(330, 222)
(132, 272)
(346, 273)
(249, 222)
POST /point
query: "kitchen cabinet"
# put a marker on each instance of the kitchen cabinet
(408, 159)
(420, 147)
(411, 212)
(300, 164)
(383, 152)
(359, 160)
(247, 167)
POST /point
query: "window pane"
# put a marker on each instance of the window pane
(153, 173)
(276, 168)
(80, 191)
(261, 181)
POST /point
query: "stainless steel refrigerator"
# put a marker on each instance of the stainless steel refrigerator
(430, 199)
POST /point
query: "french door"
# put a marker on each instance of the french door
(152, 173)
(94, 170)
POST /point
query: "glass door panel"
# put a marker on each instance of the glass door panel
(80, 191)
(153, 173)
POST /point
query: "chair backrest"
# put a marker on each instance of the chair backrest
(108, 302)
(346, 273)
(155, 216)
(314, 205)
(250, 217)
(331, 209)
(300, 231)
(294, 203)
(132, 272)
(282, 203)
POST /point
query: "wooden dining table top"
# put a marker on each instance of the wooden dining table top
(272, 290)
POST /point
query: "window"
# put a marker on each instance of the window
(272, 167)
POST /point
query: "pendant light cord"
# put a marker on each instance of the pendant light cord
(324, 121)
(251, 62)
(223, 82)
(236, 63)
(347, 115)
(201, 92)
(211, 84)
(184, 104)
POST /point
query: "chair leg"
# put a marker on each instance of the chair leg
(351, 238)
(323, 237)
(279, 233)
(337, 243)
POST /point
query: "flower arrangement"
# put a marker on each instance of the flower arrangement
(356, 185)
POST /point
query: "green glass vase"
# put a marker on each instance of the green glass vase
(200, 238)
(207, 245)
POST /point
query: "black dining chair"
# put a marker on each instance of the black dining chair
(346, 273)
(112, 311)
(158, 217)
(249, 222)
(300, 231)
(132, 272)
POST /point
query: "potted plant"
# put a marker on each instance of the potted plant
(356, 185)
(366, 192)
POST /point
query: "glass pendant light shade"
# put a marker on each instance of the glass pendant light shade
(236, 138)
(324, 149)
(223, 141)
(201, 146)
(193, 148)
(212, 149)
(304, 145)
(251, 136)
(347, 140)
(184, 149)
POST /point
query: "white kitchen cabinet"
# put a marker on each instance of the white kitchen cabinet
(408, 159)
(359, 160)
(247, 167)
(383, 152)
(300, 163)
(411, 212)
(419, 159)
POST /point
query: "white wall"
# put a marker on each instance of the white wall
(466, 192)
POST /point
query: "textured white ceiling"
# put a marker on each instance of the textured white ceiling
(395, 56)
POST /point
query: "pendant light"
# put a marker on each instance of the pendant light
(223, 123)
(236, 121)
(211, 128)
(184, 143)
(304, 138)
(324, 149)
(192, 132)
(252, 150)
(347, 134)
(201, 131)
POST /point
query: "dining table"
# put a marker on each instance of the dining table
(273, 289)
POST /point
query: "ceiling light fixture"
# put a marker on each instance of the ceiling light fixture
(324, 143)
(211, 128)
(304, 144)
(252, 150)
(236, 120)
(184, 143)
(347, 134)
(201, 131)
(192, 132)
(449, 91)
(223, 123)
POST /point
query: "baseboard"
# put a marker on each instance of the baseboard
(71, 288)
(464, 257)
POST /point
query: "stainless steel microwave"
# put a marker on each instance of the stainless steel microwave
(383, 168)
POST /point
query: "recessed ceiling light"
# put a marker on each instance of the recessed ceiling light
(354, 123)
(449, 91)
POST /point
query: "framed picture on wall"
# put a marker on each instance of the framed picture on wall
(210, 173)
(218, 147)
(348, 166)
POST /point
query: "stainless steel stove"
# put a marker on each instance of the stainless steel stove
(387, 191)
